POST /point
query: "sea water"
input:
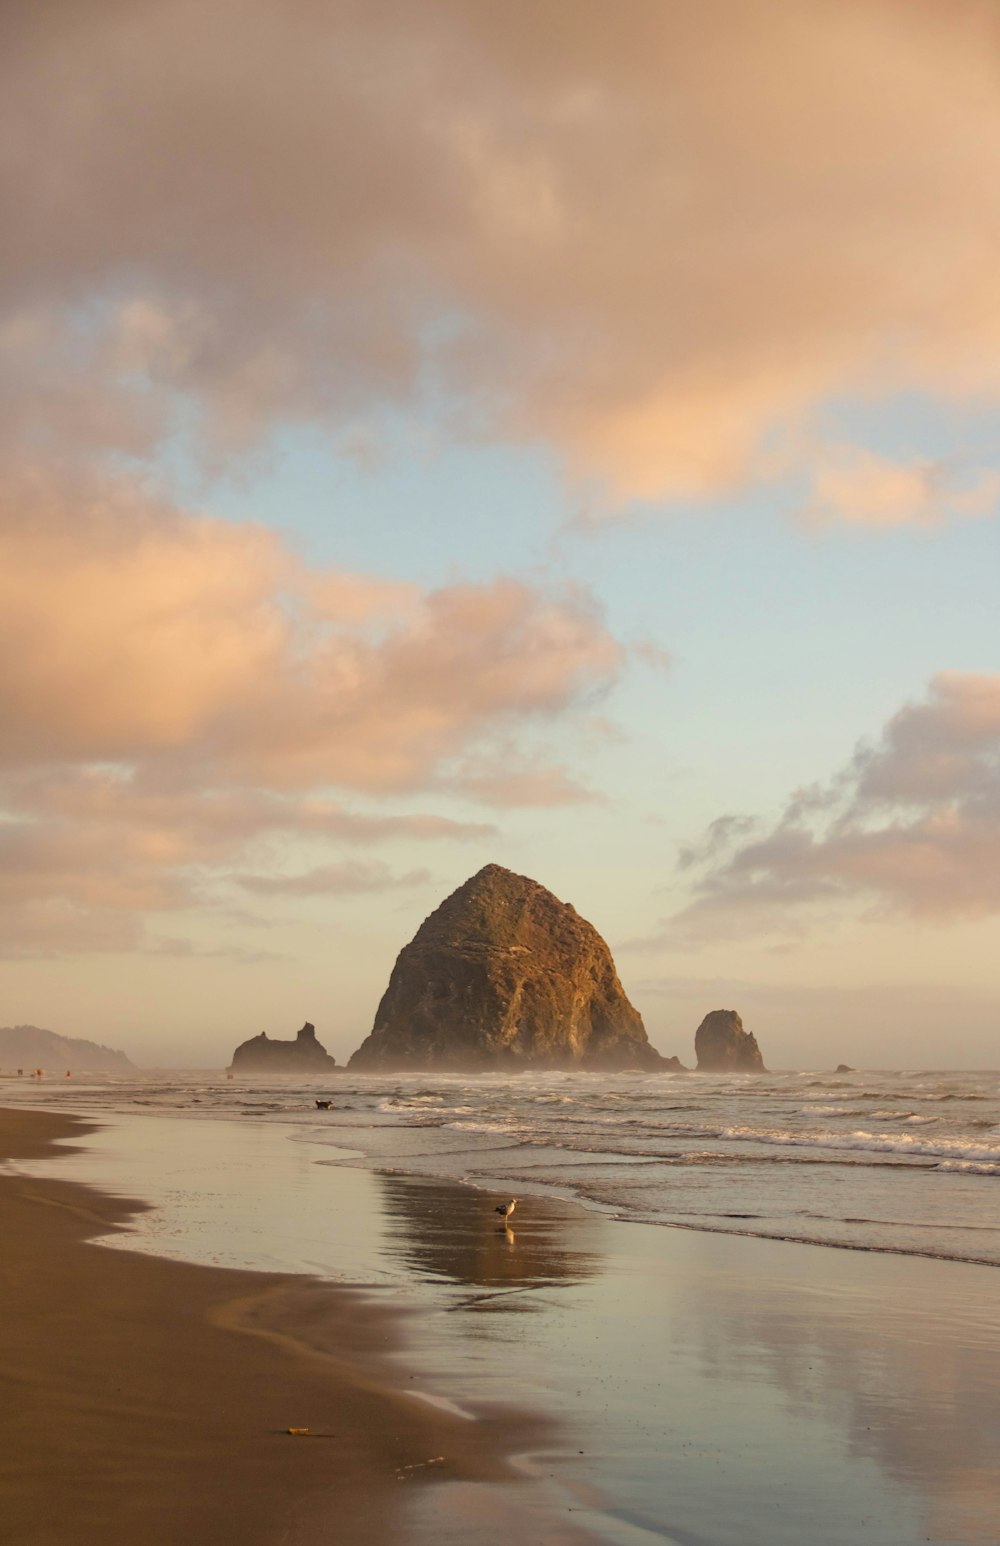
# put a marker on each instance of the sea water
(904, 1162)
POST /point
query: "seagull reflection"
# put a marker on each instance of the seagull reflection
(437, 1229)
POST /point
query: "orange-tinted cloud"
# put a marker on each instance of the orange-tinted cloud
(502, 776)
(856, 486)
(128, 631)
(655, 239)
(182, 696)
(348, 878)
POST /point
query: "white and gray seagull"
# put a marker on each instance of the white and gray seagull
(506, 1208)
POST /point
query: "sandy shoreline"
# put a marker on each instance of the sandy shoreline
(149, 1400)
(699, 1388)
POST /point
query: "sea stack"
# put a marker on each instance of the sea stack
(503, 976)
(304, 1055)
(722, 1045)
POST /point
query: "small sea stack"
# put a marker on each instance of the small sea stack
(504, 976)
(304, 1055)
(722, 1046)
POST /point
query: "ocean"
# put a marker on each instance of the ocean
(905, 1162)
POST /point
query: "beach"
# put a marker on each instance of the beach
(500, 774)
(150, 1400)
(573, 1378)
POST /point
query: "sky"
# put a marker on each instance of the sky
(548, 433)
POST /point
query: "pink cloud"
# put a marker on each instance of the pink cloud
(505, 780)
(128, 630)
(862, 489)
(183, 697)
(657, 243)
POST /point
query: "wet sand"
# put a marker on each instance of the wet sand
(698, 1389)
(149, 1400)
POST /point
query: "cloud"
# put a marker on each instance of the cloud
(654, 656)
(168, 945)
(650, 246)
(346, 879)
(128, 630)
(911, 825)
(502, 776)
(53, 927)
(179, 693)
(206, 823)
(862, 489)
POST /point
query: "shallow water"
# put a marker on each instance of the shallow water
(710, 1391)
(904, 1162)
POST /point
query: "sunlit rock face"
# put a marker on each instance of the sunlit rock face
(504, 975)
(303, 1055)
(723, 1046)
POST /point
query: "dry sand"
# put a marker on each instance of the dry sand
(147, 1402)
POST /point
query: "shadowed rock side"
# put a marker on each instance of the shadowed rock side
(303, 1055)
(722, 1045)
(504, 975)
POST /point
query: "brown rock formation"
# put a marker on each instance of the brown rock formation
(503, 975)
(304, 1055)
(724, 1047)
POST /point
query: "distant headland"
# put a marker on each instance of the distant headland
(32, 1047)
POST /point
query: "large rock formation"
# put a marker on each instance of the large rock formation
(722, 1045)
(503, 975)
(30, 1047)
(304, 1055)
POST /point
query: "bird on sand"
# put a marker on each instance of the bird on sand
(506, 1208)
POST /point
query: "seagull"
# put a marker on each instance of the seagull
(506, 1208)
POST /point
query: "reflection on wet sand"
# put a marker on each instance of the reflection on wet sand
(910, 1379)
(450, 1233)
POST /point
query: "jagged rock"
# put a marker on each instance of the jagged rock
(304, 1055)
(504, 975)
(723, 1046)
(844, 1068)
(30, 1046)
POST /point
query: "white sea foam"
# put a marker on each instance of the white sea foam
(871, 1143)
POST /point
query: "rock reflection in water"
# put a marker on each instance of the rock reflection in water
(451, 1233)
(901, 1356)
